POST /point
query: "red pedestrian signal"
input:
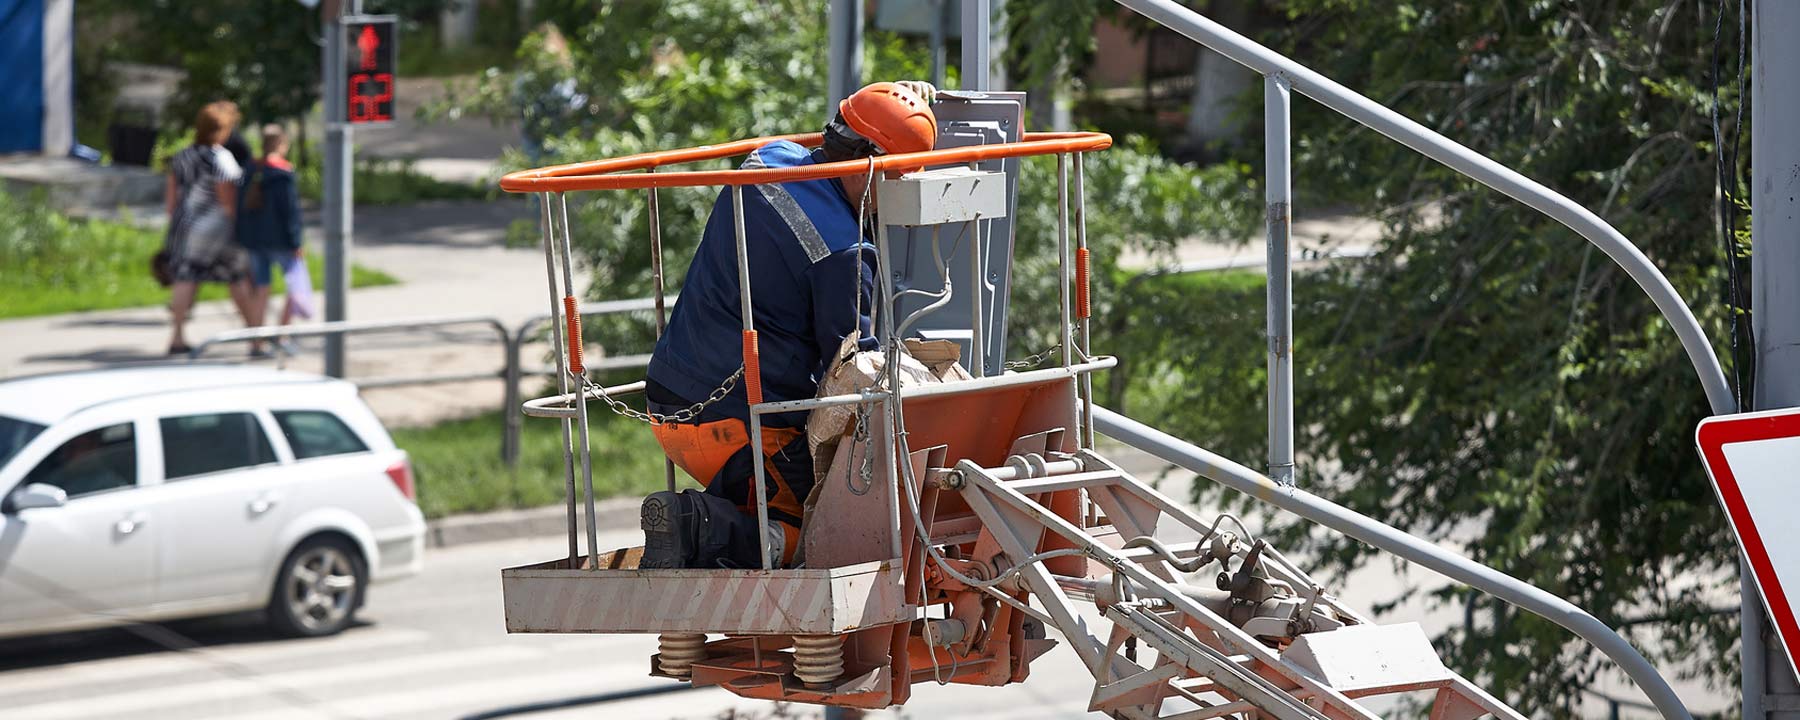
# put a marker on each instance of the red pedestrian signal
(369, 69)
(367, 41)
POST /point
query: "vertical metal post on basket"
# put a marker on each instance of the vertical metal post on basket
(752, 376)
(978, 319)
(1064, 338)
(1280, 279)
(662, 315)
(572, 317)
(1083, 303)
(562, 374)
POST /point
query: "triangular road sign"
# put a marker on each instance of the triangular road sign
(1754, 462)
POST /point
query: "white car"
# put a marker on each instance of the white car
(171, 491)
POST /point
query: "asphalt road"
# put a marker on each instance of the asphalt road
(430, 647)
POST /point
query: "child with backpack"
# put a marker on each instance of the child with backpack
(268, 226)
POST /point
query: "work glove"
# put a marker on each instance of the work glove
(926, 91)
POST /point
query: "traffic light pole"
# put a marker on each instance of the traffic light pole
(1770, 688)
(336, 175)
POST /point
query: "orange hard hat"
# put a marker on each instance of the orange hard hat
(892, 117)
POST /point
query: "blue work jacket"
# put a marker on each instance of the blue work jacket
(809, 263)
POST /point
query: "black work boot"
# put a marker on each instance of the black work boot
(669, 521)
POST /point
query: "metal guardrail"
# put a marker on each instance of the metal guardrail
(1282, 75)
(375, 326)
(514, 410)
(1390, 539)
(512, 342)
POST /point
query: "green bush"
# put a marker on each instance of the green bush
(56, 264)
(1192, 358)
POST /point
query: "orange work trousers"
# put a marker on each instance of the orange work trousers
(717, 454)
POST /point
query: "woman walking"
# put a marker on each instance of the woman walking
(201, 196)
(268, 226)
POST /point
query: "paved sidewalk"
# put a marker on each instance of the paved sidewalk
(450, 260)
(1314, 238)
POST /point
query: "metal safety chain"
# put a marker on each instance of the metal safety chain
(865, 471)
(685, 415)
(1033, 361)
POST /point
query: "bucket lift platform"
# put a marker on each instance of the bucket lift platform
(847, 620)
(1017, 534)
(962, 520)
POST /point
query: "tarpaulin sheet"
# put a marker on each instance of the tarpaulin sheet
(21, 75)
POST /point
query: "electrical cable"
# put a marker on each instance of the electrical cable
(938, 299)
(1741, 360)
(902, 451)
(1737, 137)
(863, 218)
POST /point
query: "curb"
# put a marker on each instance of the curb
(610, 514)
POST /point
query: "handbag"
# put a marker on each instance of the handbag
(159, 267)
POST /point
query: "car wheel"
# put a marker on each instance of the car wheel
(318, 590)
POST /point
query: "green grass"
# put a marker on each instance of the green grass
(459, 469)
(392, 182)
(50, 263)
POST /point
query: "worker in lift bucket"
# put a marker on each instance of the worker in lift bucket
(812, 283)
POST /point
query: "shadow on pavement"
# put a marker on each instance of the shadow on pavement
(578, 701)
(87, 320)
(105, 355)
(141, 639)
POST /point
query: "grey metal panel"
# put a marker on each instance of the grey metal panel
(966, 119)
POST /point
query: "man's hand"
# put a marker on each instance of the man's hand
(926, 91)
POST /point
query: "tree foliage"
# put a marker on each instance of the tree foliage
(264, 55)
(636, 76)
(1489, 380)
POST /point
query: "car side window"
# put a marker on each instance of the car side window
(94, 461)
(316, 433)
(201, 444)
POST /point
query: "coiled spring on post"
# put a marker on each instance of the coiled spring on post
(679, 651)
(818, 659)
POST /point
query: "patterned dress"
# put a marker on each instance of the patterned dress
(200, 243)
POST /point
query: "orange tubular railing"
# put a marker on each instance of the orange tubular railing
(618, 173)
